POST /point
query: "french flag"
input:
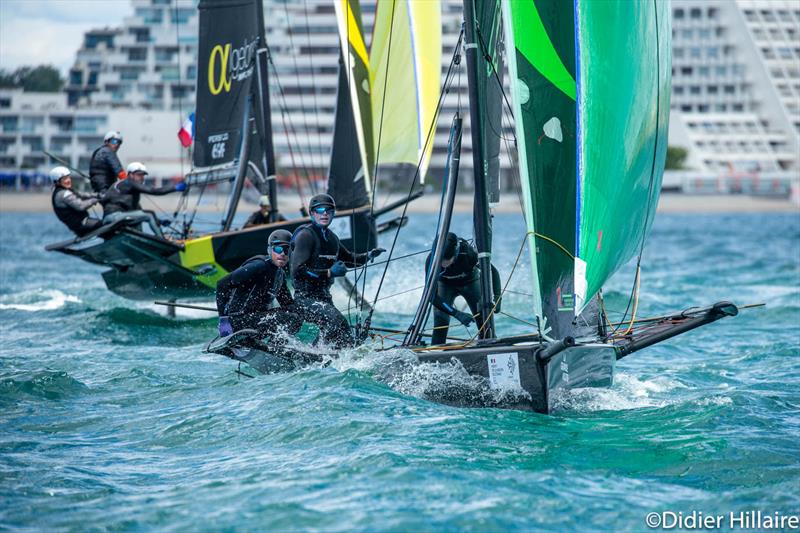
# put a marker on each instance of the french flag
(186, 133)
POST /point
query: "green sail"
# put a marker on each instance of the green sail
(590, 83)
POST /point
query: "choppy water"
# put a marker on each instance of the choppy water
(112, 418)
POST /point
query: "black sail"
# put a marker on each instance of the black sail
(228, 41)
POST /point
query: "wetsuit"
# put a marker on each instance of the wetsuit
(314, 251)
(248, 296)
(72, 208)
(122, 202)
(462, 278)
(257, 219)
(104, 169)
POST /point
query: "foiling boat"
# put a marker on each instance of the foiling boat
(590, 85)
(234, 144)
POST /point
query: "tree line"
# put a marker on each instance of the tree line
(42, 78)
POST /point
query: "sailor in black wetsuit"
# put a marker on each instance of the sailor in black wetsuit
(121, 200)
(71, 207)
(246, 297)
(105, 168)
(460, 276)
(317, 258)
(262, 215)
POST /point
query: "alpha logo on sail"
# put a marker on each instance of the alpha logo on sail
(227, 64)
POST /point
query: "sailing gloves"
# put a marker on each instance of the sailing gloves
(464, 318)
(225, 327)
(338, 269)
(180, 186)
(375, 252)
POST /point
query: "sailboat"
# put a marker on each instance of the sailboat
(590, 85)
(234, 144)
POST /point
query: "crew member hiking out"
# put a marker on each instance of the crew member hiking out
(459, 276)
(246, 297)
(71, 207)
(105, 168)
(262, 215)
(121, 200)
(317, 258)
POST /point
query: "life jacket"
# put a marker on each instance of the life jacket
(255, 297)
(100, 170)
(465, 267)
(71, 217)
(120, 197)
(325, 254)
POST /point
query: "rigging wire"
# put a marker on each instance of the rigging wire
(376, 166)
(288, 126)
(431, 130)
(313, 77)
(297, 78)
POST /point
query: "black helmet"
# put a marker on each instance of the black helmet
(321, 200)
(451, 247)
(280, 236)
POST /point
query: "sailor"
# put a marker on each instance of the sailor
(72, 207)
(105, 168)
(459, 276)
(121, 200)
(262, 215)
(246, 297)
(317, 258)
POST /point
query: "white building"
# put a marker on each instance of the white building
(34, 123)
(736, 85)
(735, 101)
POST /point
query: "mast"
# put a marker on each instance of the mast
(482, 220)
(415, 331)
(264, 115)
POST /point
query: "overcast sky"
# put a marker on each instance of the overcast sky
(40, 32)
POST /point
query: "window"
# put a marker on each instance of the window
(712, 52)
(137, 54)
(678, 89)
(704, 71)
(694, 52)
(705, 33)
(687, 71)
(8, 124)
(677, 13)
(712, 89)
(729, 89)
(695, 13)
(686, 108)
(694, 89)
(677, 52)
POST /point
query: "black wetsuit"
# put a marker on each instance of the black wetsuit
(125, 195)
(104, 169)
(314, 251)
(258, 218)
(462, 278)
(72, 208)
(248, 295)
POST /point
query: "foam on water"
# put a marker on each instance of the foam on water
(37, 300)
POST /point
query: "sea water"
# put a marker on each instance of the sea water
(111, 417)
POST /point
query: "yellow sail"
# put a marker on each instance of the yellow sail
(405, 70)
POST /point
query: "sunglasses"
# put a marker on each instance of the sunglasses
(322, 210)
(115, 141)
(281, 249)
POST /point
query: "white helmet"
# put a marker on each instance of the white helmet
(59, 172)
(263, 201)
(113, 136)
(136, 167)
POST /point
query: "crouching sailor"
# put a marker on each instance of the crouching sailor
(317, 258)
(459, 276)
(246, 297)
(71, 207)
(121, 200)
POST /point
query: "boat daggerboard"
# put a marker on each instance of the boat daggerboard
(590, 83)
(356, 61)
(405, 72)
(227, 43)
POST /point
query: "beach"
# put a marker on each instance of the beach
(39, 202)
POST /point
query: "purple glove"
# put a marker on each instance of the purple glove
(225, 327)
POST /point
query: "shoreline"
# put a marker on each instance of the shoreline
(26, 202)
